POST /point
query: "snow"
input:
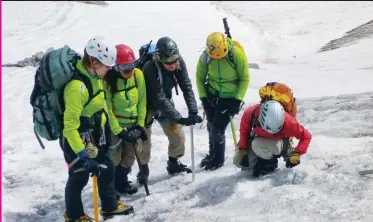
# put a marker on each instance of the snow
(332, 90)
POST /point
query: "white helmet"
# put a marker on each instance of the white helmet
(271, 116)
(104, 53)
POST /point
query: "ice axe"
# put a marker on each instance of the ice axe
(192, 150)
(233, 131)
(142, 174)
(95, 199)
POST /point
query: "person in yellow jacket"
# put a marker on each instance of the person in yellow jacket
(126, 100)
(222, 78)
(86, 137)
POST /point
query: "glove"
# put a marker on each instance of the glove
(123, 135)
(88, 164)
(134, 135)
(241, 158)
(186, 121)
(92, 150)
(294, 159)
(233, 105)
(143, 136)
(196, 118)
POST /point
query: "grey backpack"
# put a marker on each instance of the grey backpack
(56, 69)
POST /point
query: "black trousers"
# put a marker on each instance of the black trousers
(217, 121)
(77, 181)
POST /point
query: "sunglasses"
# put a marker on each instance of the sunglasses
(126, 68)
(170, 63)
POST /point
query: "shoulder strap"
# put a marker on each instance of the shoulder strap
(134, 76)
(231, 58)
(159, 71)
(252, 126)
(88, 84)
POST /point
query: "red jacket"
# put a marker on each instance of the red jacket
(291, 128)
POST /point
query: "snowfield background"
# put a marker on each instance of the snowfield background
(333, 88)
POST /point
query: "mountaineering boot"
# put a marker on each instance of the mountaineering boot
(84, 218)
(213, 164)
(174, 166)
(205, 160)
(263, 166)
(126, 187)
(145, 169)
(122, 209)
(208, 156)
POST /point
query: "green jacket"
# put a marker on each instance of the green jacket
(224, 80)
(126, 107)
(75, 97)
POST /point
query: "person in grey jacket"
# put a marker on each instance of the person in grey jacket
(165, 71)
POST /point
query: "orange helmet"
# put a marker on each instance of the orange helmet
(217, 45)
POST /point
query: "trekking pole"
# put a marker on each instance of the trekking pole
(192, 150)
(233, 131)
(95, 199)
(141, 169)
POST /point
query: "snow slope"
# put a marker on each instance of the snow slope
(332, 87)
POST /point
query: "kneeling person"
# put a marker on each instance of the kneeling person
(265, 130)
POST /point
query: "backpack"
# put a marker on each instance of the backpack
(56, 69)
(146, 53)
(282, 94)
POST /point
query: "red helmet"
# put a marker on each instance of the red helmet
(126, 59)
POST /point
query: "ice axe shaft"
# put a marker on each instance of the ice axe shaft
(233, 131)
(192, 150)
(95, 199)
(142, 174)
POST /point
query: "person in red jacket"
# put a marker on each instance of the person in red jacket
(265, 135)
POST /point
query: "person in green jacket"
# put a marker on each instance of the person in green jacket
(86, 136)
(126, 100)
(222, 78)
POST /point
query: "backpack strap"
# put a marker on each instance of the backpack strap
(134, 76)
(230, 58)
(161, 77)
(88, 84)
(125, 83)
(252, 126)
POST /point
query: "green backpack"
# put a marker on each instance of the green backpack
(56, 69)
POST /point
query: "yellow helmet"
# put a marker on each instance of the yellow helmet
(217, 45)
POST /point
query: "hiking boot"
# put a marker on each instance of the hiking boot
(141, 180)
(122, 209)
(264, 167)
(212, 164)
(175, 167)
(205, 160)
(128, 188)
(84, 218)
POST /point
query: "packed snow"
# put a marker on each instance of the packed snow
(333, 91)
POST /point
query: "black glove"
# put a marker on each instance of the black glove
(186, 121)
(134, 135)
(233, 105)
(123, 135)
(196, 118)
(143, 136)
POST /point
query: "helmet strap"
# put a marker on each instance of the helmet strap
(94, 69)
